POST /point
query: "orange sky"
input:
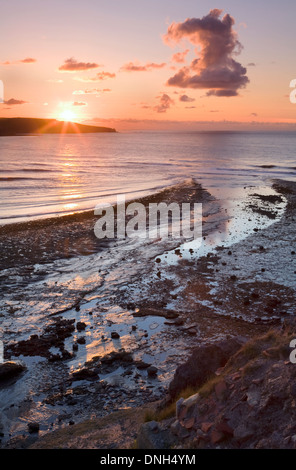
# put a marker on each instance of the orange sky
(136, 63)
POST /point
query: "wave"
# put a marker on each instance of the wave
(18, 178)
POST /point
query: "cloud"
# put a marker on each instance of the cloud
(28, 60)
(179, 57)
(71, 65)
(186, 99)
(254, 114)
(99, 76)
(164, 104)
(131, 67)
(79, 103)
(13, 102)
(226, 93)
(93, 91)
(55, 80)
(214, 67)
(251, 64)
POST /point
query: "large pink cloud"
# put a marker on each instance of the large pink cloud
(216, 44)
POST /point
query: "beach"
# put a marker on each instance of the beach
(107, 330)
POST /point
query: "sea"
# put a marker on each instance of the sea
(54, 175)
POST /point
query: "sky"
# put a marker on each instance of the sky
(149, 64)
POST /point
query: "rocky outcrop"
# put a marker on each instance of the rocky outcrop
(249, 403)
(202, 363)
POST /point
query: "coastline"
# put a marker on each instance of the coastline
(224, 294)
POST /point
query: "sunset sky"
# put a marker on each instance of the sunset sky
(133, 63)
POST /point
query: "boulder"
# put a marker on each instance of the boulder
(11, 369)
(202, 363)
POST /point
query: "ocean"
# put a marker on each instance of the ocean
(52, 175)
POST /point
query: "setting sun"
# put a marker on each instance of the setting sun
(67, 115)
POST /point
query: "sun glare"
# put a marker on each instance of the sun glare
(67, 115)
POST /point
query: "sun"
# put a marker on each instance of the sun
(67, 115)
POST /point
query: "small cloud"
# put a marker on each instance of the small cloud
(164, 104)
(214, 111)
(14, 102)
(45, 104)
(79, 103)
(72, 65)
(179, 57)
(251, 64)
(254, 114)
(131, 67)
(99, 76)
(93, 91)
(55, 80)
(186, 99)
(28, 60)
(222, 93)
(190, 107)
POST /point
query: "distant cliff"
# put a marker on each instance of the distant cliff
(23, 126)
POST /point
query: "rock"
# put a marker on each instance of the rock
(152, 371)
(115, 335)
(224, 427)
(216, 437)
(242, 433)
(33, 427)
(202, 363)
(153, 435)
(84, 374)
(142, 365)
(11, 369)
(171, 315)
(80, 325)
(81, 340)
(205, 427)
(220, 389)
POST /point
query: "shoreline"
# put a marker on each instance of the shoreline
(207, 312)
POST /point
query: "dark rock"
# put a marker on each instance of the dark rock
(33, 427)
(202, 363)
(171, 314)
(115, 335)
(153, 435)
(11, 369)
(84, 374)
(81, 340)
(152, 371)
(142, 365)
(117, 356)
(80, 325)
